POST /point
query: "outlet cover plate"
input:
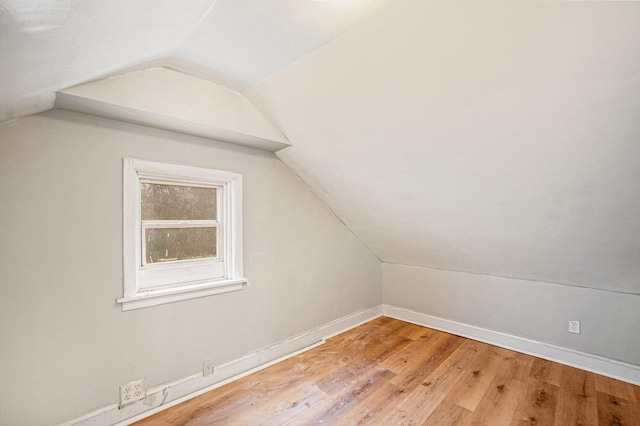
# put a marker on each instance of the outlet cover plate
(131, 392)
(208, 366)
(574, 327)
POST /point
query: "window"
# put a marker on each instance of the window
(182, 233)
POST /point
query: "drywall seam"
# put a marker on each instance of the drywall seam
(165, 396)
(607, 367)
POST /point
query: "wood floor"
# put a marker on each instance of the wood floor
(388, 372)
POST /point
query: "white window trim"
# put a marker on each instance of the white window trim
(135, 296)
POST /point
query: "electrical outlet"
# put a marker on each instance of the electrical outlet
(208, 366)
(131, 392)
(574, 327)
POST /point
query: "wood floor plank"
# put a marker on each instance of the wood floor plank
(577, 403)
(498, 404)
(436, 386)
(413, 331)
(547, 371)
(615, 388)
(368, 412)
(481, 373)
(371, 346)
(417, 404)
(405, 356)
(616, 411)
(515, 365)
(388, 372)
(489, 364)
(448, 413)
(423, 364)
(538, 407)
(471, 389)
(466, 355)
(352, 397)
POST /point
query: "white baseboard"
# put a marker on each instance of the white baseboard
(170, 394)
(607, 367)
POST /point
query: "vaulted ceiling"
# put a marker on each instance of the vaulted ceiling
(499, 138)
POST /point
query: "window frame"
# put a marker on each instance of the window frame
(167, 282)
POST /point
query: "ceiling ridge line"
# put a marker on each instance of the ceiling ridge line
(205, 15)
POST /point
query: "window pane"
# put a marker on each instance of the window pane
(170, 244)
(176, 202)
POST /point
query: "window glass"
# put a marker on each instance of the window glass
(171, 244)
(177, 202)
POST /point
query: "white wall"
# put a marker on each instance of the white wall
(534, 310)
(66, 345)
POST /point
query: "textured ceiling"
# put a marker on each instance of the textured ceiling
(499, 138)
(46, 45)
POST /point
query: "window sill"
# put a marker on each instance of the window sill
(159, 297)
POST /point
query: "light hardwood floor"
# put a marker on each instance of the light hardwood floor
(389, 372)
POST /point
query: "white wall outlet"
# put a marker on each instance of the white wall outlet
(574, 327)
(131, 392)
(208, 366)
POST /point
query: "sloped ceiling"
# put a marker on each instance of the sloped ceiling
(500, 138)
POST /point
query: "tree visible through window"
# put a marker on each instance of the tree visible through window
(178, 222)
